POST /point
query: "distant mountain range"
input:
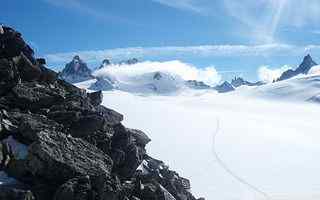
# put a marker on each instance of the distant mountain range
(107, 62)
(160, 82)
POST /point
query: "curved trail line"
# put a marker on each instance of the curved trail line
(228, 170)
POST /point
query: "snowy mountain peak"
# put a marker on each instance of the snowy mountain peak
(105, 62)
(224, 87)
(303, 68)
(306, 65)
(157, 76)
(76, 58)
(76, 71)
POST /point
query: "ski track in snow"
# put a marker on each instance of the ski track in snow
(227, 169)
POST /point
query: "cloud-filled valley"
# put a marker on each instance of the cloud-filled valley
(209, 75)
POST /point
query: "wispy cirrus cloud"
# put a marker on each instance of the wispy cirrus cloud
(187, 51)
(264, 18)
(85, 8)
(191, 5)
(260, 20)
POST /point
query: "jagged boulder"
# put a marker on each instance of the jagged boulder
(30, 125)
(90, 188)
(32, 96)
(6, 125)
(95, 98)
(57, 158)
(126, 151)
(154, 191)
(12, 45)
(48, 75)
(140, 137)
(8, 76)
(106, 186)
(159, 179)
(112, 117)
(75, 189)
(28, 70)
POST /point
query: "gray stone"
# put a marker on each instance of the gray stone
(57, 158)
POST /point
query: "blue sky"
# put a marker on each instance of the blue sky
(237, 37)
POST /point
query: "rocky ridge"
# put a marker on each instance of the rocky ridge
(303, 68)
(58, 142)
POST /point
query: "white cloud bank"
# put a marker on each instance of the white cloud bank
(315, 70)
(268, 75)
(209, 75)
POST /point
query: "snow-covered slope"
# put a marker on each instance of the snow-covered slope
(271, 145)
(267, 146)
(148, 83)
(154, 82)
(300, 89)
(148, 77)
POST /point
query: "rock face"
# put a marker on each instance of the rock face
(238, 81)
(76, 71)
(303, 68)
(224, 87)
(59, 143)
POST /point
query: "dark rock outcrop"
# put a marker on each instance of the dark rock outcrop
(58, 142)
(303, 68)
(76, 71)
(95, 98)
(68, 156)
